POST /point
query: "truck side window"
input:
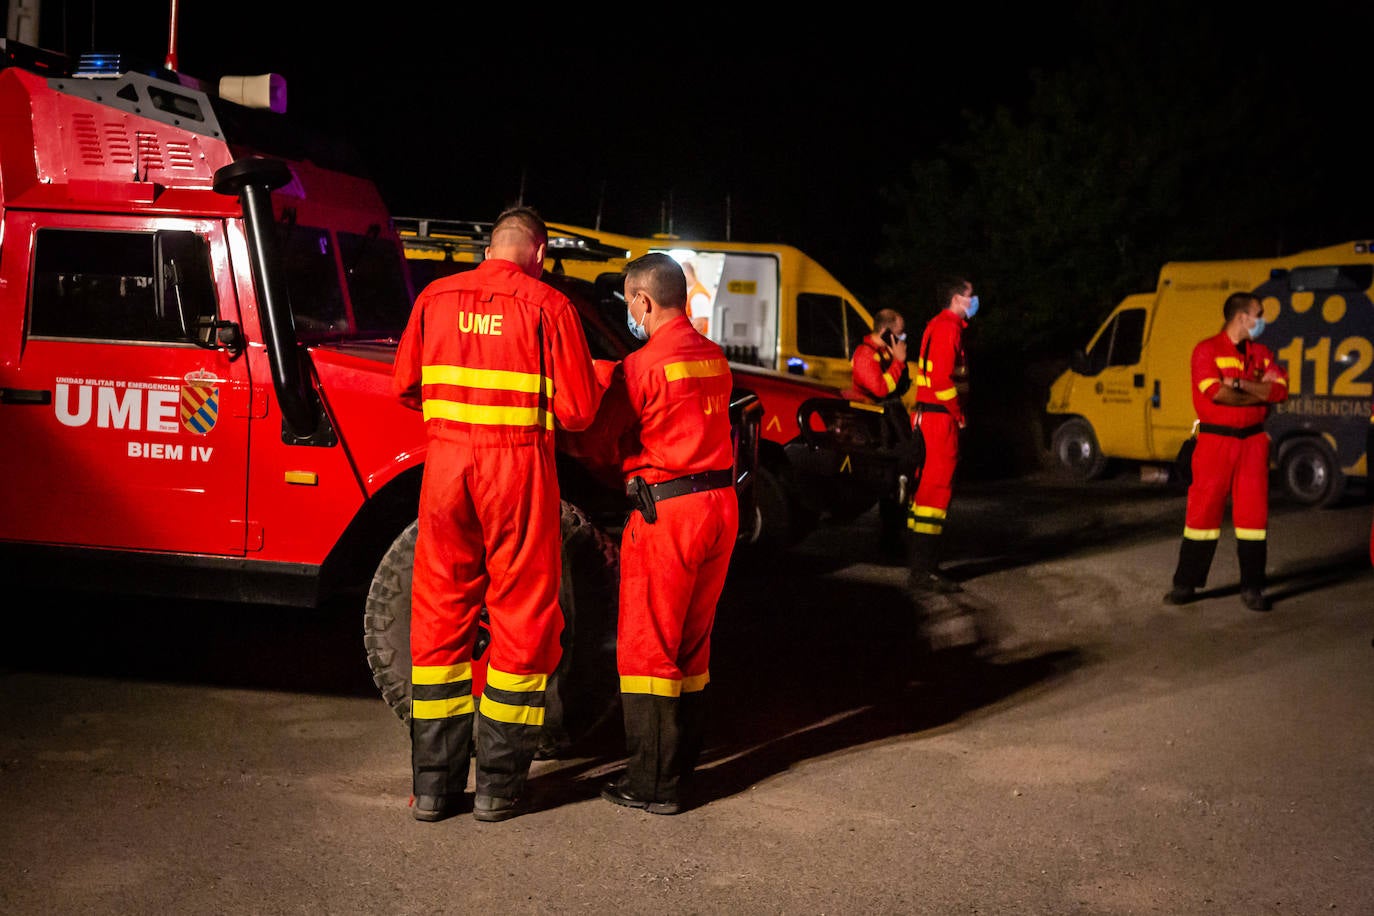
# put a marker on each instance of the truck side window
(312, 281)
(108, 285)
(820, 325)
(1120, 342)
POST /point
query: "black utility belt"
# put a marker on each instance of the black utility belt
(1235, 432)
(932, 408)
(647, 495)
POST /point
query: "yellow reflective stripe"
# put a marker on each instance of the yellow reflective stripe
(1201, 534)
(1207, 383)
(928, 512)
(1251, 534)
(891, 382)
(494, 379)
(948, 394)
(517, 683)
(1280, 380)
(696, 682)
(697, 368)
(441, 709)
(486, 414)
(654, 686)
(924, 528)
(517, 714)
(1229, 362)
(441, 674)
(922, 381)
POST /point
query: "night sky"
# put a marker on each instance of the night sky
(648, 118)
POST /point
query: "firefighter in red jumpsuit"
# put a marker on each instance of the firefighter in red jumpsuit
(880, 377)
(1235, 380)
(941, 382)
(493, 358)
(668, 409)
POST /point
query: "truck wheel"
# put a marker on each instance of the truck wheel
(1076, 450)
(782, 520)
(582, 692)
(1311, 474)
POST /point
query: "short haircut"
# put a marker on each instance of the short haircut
(522, 219)
(885, 319)
(1237, 303)
(660, 276)
(949, 287)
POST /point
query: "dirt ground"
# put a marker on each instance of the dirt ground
(1053, 740)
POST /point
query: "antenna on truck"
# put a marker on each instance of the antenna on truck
(171, 62)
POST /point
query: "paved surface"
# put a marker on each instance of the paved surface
(1093, 751)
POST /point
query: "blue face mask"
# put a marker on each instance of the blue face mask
(1258, 328)
(972, 308)
(636, 327)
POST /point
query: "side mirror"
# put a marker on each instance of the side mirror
(229, 335)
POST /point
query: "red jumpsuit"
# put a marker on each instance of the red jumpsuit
(877, 374)
(880, 378)
(941, 373)
(673, 421)
(492, 357)
(1231, 460)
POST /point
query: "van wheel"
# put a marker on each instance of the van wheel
(1311, 475)
(1076, 451)
(583, 690)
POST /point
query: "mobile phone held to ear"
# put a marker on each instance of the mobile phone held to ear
(887, 337)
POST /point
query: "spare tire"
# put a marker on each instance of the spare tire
(584, 689)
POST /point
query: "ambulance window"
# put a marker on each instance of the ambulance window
(820, 325)
(855, 328)
(1350, 278)
(102, 286)
(312, 281)
(1119, 344)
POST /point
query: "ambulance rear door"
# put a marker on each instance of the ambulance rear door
(1321, 326)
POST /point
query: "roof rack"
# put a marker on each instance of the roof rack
(473, 236)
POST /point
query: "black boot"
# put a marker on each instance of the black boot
(1194, 560)
(1253, 557)
(923, 557)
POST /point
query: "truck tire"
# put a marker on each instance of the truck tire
(1076, 451)
(782, 520)
(583, 690)
(1311, 474)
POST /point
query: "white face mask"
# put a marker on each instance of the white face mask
(636, 327)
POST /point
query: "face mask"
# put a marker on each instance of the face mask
(1258, 328)
(636, 327)
(972, 308)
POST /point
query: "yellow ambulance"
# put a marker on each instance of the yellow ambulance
(1126, 396)
(768, 305)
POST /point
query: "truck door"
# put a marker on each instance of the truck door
(1118, 399)
(120, 430)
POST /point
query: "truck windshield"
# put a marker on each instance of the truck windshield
(376, 303)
